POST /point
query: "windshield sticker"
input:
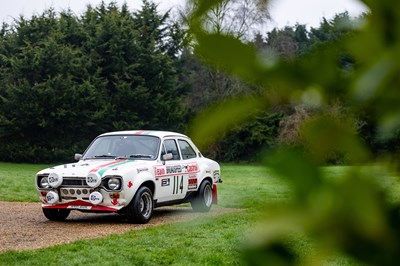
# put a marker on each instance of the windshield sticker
(143, 132)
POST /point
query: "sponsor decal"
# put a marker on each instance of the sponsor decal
(55, 180)
(165, 182)
(192, 184)
(130, 184)
(160, 171)
(79, 207)
(114, 202)
(93, 180)
(176, 169)
(192, 168)
(94, 197)
(139, 170)
(51, 198)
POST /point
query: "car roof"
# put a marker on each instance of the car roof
(156, 133)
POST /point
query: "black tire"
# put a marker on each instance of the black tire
(140, 209)
(56, 214)
(203, 200)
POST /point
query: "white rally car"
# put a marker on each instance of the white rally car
(130, 172)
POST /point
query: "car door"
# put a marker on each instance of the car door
(171, 178)
(189, 163)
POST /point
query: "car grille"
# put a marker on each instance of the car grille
(73, 188)
(74, 182)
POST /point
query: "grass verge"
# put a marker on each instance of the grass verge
(209, 241)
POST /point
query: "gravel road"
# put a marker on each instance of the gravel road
(23, 226)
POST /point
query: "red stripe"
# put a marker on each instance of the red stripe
(104, 165)
(140, 132)
(81, 203)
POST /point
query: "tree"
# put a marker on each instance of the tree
(64, 79)
(239, 18)
(207, 84)
(45, 90)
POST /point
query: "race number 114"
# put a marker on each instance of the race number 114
(178, 184)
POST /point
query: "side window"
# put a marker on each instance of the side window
(170, 147)
(186, 150)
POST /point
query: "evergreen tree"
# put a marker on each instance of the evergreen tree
(64, 79)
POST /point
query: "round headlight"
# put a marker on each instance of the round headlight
(44, 182)
(114, 183)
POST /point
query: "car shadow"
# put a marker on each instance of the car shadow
(162, 213)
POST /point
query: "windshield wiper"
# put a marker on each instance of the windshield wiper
(105, 156)
(141, 156)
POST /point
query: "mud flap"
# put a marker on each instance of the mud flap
(214, 195)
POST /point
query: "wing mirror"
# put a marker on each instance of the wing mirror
(167, 157)
(78, 156)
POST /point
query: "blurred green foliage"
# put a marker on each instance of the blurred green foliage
(352, 215)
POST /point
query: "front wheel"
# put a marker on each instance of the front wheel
(140, 209)
(56, 214)
(203, 200)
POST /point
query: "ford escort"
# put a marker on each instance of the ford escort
(130, 172)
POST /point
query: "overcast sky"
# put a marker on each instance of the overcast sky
(283, 12)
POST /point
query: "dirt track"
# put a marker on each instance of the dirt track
(23, 226)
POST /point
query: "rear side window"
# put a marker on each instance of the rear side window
(186, 150)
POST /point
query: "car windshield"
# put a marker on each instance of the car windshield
(123, 146)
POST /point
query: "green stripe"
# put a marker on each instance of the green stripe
(101, 171)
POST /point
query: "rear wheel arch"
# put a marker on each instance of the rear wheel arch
(203, 200)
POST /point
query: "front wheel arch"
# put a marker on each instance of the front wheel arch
(140, 209)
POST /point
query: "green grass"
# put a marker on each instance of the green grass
(213, 241)
(17, 182)
(209, 241)
(243, 187)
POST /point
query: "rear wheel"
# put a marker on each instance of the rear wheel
(203, 200)
(56, 214)
(140, 209)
